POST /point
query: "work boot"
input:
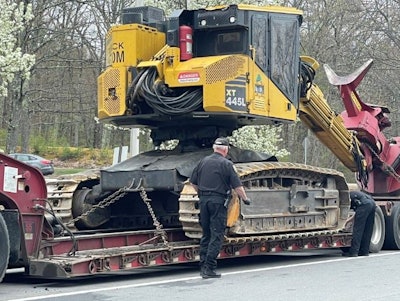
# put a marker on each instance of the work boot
(208, 273)
(202, 267)
(363, 252)
(348, 254)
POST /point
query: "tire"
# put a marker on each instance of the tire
(80, 206)
(392, 237)
(4, 248)
(378, 234)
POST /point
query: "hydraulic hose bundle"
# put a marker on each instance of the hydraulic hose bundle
(162, 99)
(307, 74)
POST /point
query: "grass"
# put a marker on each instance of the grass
(66, 171)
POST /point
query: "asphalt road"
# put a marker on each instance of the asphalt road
(317, 275)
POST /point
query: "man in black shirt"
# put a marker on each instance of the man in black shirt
(364, 206)
(213, 178)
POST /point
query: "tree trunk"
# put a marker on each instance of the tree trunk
(14, 98)
(25, 129)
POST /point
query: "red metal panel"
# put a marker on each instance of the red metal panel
(84, 242)
(23, 187)
(21, 183)
(111, 260)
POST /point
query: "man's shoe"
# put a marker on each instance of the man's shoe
(347, 254)
(207, 273)
(202, 268)
(363, 254)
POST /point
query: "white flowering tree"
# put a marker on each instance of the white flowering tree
(15, 64)
(260, 138)
(13, 61)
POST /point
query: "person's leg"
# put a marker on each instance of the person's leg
(217, 226)
(368, 229)
(360, 219)
(204, 220)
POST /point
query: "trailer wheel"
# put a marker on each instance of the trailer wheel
(378, 234)
(392, 238)
(4, 248)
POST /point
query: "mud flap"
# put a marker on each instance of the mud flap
(11, 218)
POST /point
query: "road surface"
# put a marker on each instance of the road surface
(317, 275)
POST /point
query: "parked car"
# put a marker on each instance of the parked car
(44, 165)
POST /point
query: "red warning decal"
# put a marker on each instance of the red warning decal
(188, 77)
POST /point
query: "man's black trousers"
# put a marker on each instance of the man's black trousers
(363, 227)
(213, 216)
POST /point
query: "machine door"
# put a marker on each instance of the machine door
(275, 39)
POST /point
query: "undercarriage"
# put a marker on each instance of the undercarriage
(286, 197)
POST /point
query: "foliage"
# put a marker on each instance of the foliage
(168, 145)
(191, 4)
(66, 171)
(39, 145)
(45, 144)
(3, 135)
(102, 155)
(261, 138)
(86, 156)
(13, 61)
(69, 153)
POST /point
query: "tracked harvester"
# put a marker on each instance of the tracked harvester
(200, 74)
(193, 77)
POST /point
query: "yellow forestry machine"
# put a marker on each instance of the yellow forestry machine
(195, 76)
